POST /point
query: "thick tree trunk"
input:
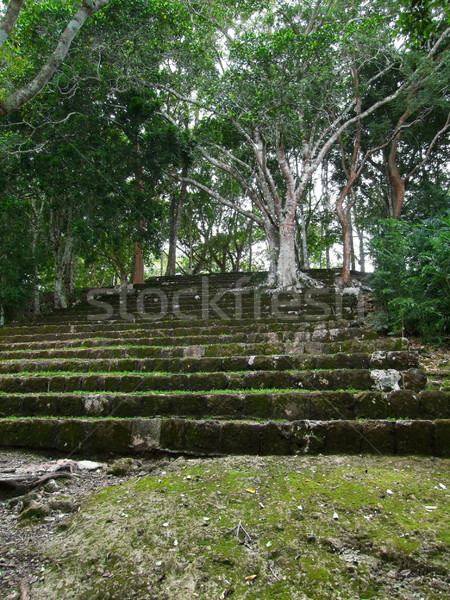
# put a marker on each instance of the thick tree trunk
(287, 272)
(273, 242)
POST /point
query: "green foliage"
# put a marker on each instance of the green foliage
(411, 280)
(16, 265)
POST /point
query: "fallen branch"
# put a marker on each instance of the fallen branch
(240, 528)
(10, 488)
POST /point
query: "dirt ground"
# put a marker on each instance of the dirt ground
(341, 528)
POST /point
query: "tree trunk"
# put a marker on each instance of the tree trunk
(398, 188)
(352, 245)
(273, 241)
(64, 271)
(175, 210)
(287, 273)
(305, 251)
(362, 254)
(138, 272)
(346, 243)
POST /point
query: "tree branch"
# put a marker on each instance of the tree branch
(9, 20)
(17, 99)
(222, 200)
(428, 152)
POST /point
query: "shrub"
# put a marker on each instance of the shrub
(412, 276)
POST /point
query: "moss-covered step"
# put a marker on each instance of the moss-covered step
(360, 379)
(170, 327)
(198, 363)
(212, 437)
(248, 404)
(217, 348)
(154, 337)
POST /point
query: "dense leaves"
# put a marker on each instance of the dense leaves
(411, 280)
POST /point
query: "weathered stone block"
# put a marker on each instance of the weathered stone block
(225, 405)
(434, 404)
(277, 439)
(343, 437)
(442, 433)
(415, 437)
(173, 435)
(404, 404)
(202, 437)
(414, 379)
(240, 438)
(377, 437)
(371, 405)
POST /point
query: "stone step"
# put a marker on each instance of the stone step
(286, 405)
(339, 379)
(156, 337)
(169, 328)
(216, 345)
(188, 315)
(268, 362)
(215, 437)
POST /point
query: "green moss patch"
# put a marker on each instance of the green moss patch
(262, 528)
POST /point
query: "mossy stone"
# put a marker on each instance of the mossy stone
(442, 431)
(338, 405)
(202, 437)
(34, 512)
(434, 404)
(371, 405)
(173, 435)
(241, 438)
(415, 437)
(377, 437)
(404, 404)
(73, 434)
(414, 379)
(290, 406)
(226, 405)
(343, 437)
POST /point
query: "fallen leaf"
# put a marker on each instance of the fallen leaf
(251, 490)
(251, 577)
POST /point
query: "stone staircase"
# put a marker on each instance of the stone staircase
(212, 365)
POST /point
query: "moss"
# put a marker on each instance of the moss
(293, 551)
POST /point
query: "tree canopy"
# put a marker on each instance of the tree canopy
(207, 131)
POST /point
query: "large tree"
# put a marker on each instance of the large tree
(285, 86)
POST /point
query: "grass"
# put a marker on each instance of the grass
(298, 391)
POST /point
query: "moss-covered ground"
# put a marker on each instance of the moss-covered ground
(316, 528)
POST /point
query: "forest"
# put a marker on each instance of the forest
(147, 137)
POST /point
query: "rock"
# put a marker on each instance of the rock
(34, 511)
(385, 380)
(51, 486)
(89, 465)
(194, 352)
(62, 504)
(122, 467)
